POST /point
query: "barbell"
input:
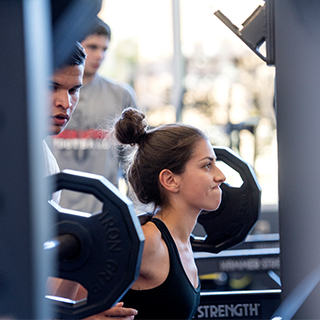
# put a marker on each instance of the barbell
(102, 251)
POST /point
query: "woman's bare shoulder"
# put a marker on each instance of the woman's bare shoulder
(155, 259)
(153, 239)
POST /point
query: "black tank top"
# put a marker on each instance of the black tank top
(175, 298)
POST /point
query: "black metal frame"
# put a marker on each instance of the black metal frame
(25, 36)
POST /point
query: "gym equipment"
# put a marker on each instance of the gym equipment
(257, 29)
(247, 260)
(26, 60)
(244, 304)
(100, 251)
(253, 264)
(238, 212)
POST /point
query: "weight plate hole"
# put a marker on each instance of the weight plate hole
(199, 231)
(79, 201)
(233, 178)
(67, 291)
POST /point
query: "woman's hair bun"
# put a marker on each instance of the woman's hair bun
(130, 128)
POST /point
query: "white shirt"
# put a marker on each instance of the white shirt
(51, 167)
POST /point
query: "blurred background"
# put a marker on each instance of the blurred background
(187, 66)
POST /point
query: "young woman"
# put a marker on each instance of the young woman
(173, 168)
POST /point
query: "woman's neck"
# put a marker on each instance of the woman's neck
(179, 223)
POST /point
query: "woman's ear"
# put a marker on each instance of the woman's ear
(169, 180)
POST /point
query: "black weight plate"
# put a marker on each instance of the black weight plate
(238, 212)
(111, 243)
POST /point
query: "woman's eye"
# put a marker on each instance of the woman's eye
(208, 165)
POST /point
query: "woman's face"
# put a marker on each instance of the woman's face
(200, 182)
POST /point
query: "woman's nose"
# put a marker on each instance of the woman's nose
(219, 176)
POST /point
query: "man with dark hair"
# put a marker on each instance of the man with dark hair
(65, 85)
(83, 146)
(65, 91)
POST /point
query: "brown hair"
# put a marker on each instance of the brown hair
(100, 28)
(165, 147)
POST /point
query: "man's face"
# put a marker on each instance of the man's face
(95, 46)
(65, 83)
